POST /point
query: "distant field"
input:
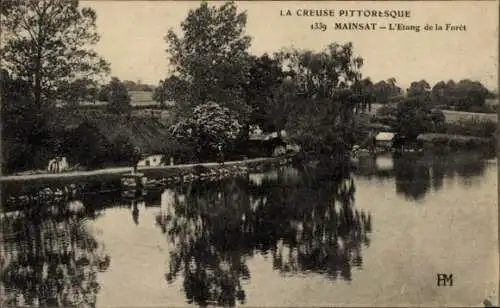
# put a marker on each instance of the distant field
(139, 98)
(454, 116)
(492, 101)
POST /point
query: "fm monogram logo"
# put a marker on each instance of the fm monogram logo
(444, 280)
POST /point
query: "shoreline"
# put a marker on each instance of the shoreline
(122, 171)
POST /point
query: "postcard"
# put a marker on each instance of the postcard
(249, 153)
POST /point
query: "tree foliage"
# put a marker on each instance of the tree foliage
(137, 86)
(384, 90)
(420, 89)
(322, 117)
(172, 89)
(84, 89)
(318, 74)
(210, 129)
(465, 95)
(211, 55)
(268, 93)
(47, 42)
(24, 128)
(365, 90)
(118, 99)
(415, 116)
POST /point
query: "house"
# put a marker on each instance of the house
(270, 144)
(58, 164)
(152, 160)
(384, 140)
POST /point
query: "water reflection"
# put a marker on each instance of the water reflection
(306, 222)
(415, 173)
(49, 256)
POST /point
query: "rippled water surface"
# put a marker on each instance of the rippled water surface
(284, 236)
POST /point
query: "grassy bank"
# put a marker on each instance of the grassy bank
(452, 116)
(453, 141)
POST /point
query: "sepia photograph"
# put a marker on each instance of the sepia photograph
(249, 153)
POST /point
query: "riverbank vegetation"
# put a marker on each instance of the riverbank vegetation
(209, 101)
(416, 117)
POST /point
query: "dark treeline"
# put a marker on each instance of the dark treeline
(464, 95)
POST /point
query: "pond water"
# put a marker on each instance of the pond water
(280, 237)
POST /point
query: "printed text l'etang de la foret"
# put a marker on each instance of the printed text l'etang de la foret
(350, 19)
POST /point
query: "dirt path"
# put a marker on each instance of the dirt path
(123, 170)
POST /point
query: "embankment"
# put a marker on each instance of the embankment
(158, 171)
(453, 141)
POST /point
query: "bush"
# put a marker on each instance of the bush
(120, 151)
(85, 145)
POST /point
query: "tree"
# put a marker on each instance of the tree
(322, 121)
(414, 117)
(384, 90)
(103, 93)
(119, 100)
(438, 93)
(137, 86)
(84, 89)
(172, 89)
(365, 89)
(420, 89)
(211, 57)
(47, 44)
(210, 129)
(265, 92)
(470, 94)
(318, 74)
(23, 125)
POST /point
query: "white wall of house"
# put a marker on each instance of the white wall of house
(153, 160)
(58, 164)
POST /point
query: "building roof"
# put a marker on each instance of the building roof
(384, 136)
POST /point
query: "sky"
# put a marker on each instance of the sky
(132, 37)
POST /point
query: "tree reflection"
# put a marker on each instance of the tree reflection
(50, 259)
(306, 221)
(416, 173)
(413, 178)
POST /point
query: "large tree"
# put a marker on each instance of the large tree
(384, 90)
(322, 121)
(211, 55)
(171, 89)
(420, 89)
(48, 43)
(23, 125)
(318, 74)
(119, 99)
(414, 116)
(267, 92)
